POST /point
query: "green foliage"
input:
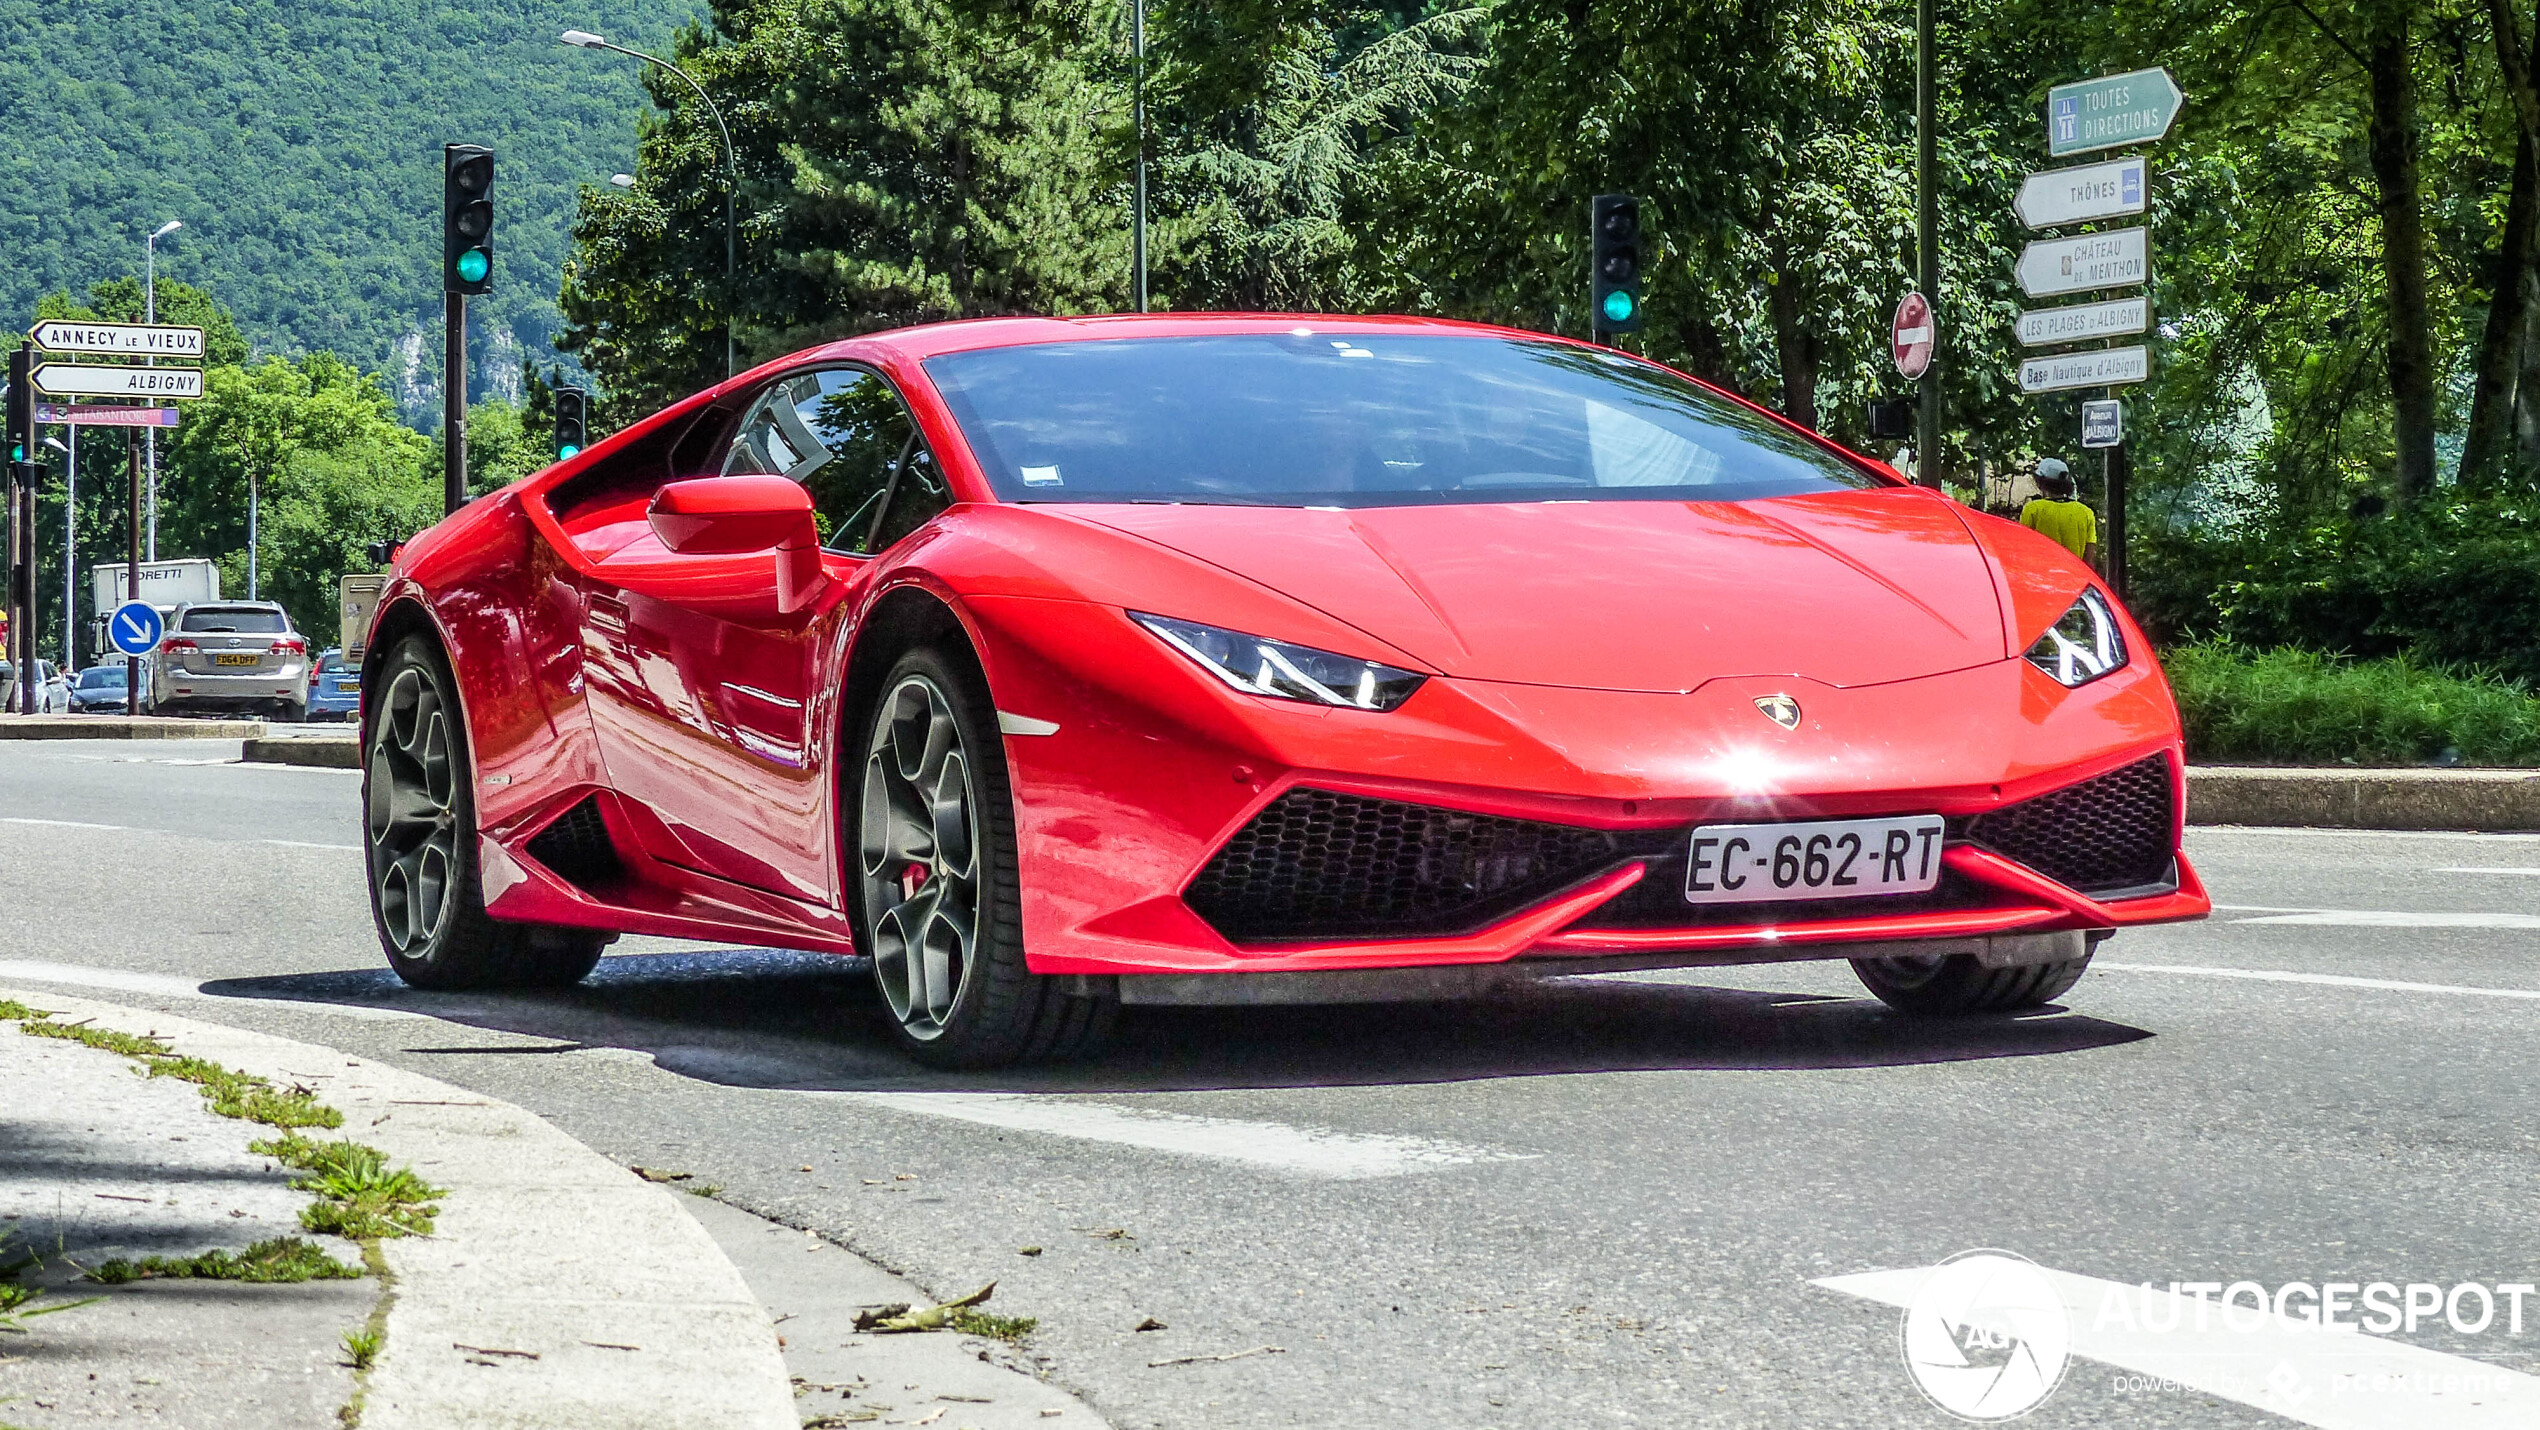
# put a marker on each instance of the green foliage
(360, 1196)
(300, 143)
(282, 1259)
(2300, 707)
(361, 1348)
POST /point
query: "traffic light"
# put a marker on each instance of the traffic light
(1614, 271)
(1891, 418)
(21, 404)
(467, 218)
(572, 421)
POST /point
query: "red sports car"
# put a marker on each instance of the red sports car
(1059, 664)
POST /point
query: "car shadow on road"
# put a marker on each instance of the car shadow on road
(768, 1018)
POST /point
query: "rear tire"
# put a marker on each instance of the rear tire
(295, 714)
(419, 841)
(938, 893)
(1955, 983)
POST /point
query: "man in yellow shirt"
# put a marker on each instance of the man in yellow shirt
(2056, 515)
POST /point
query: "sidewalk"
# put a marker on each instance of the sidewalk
(556, 1289)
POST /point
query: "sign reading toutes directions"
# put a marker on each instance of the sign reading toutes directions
(2103, 367)
(2111, 112)
(62, 379)
(2119, 258)
(60, 335)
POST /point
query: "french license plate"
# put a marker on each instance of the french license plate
(1820, 859)
(245, 660)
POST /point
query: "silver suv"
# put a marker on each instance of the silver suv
(231, 655)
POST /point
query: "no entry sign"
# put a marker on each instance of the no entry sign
(1912, 336)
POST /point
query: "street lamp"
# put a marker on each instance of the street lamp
(150, 314)
(584, 39)
(623, 181)
(70, 538)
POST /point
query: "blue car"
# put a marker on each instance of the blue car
(335, 688)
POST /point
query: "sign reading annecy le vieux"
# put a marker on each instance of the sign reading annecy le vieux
(2085, 193)
(2118, 258)
(2045, 327)
(60, 335)
(2111, 111)
(2102, 367)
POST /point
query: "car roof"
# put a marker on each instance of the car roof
(969, 334)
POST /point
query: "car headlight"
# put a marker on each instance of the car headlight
(1257, 666)
(2083, 646)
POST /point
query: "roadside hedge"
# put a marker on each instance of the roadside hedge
(2300, 707)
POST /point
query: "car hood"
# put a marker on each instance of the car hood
(1848, 588)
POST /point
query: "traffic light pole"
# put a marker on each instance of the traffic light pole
(453, 402)
(132, 563)
(1927, 232)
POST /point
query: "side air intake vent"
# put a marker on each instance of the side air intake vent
(2109, 832)
(576, 846)
(1320, 865)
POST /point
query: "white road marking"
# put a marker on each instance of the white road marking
(304, 844)
(2274, 832)
(64, 824)
(2325, 980)
(2486, 869)
(162, 985)
(2397, 919)
(1301, 1151)
(2334, 1378)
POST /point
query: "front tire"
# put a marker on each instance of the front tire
(419, 841)
(939, 900)
(1953, 984)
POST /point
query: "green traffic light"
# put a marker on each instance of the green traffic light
(1619, 306)
(472, 265)
(566, 450)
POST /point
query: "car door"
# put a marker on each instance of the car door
(706, 697)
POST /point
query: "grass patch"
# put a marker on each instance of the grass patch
(361, 1348)
(985, 1323)
(359, 1195)
(2300, 707)
(231, 1093)
(282, 1259)
(19, 1301)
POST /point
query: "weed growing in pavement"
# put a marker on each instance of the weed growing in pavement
(983, 1323)
(18, 1300)
(709, 1191)
(360, 1195)
(282, 1259)
(230, 1093)
(361, 1348)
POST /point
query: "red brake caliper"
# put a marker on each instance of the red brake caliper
(912, 878)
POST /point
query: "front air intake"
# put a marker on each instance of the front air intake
(2109, 832)
(1320, 865)
(575, 845)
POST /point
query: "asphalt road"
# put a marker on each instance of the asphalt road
(1605, 1201)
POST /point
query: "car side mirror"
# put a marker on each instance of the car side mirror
(730, 516)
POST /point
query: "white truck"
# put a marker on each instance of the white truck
(164, 584)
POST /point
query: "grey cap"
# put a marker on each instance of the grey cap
(2052, 467)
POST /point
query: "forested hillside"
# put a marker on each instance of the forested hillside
(300, 142)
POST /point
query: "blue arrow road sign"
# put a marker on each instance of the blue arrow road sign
(135, 628)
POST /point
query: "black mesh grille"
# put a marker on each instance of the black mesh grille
(2110, 832)
(576, 846)
(1321, 865)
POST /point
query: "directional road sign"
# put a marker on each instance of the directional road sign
(2103, 422)
(2106, 367)
(2045, 327)
(135, 628)
(62, 379)
(1912, 336)
(2111, 111)
(60, 335)
(53, 414)
(2051, 198)
(2050, 267)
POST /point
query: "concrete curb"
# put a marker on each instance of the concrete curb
(631, 1316)
(2364, 799)
(125, 727)
(325, 752)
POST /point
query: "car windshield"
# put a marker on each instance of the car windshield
(1367, 419)
(101, 678)
(244, 620)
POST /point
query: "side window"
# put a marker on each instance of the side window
(843, 434)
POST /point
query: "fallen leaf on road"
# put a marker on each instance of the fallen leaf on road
(1150, 1324)
(656, 1174)
(872, 1316)
(1028, 1251)
(1230, 1355)
(493, 1351)
(931, 1318)
(968, 1399)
